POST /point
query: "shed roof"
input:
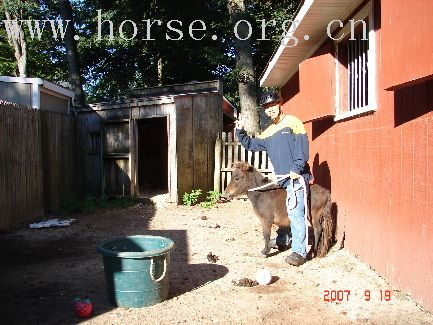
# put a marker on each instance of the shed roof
(41, 82)
(312, 19)
(194, 87)
(161, 95)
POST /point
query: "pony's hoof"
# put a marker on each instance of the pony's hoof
(265, 252)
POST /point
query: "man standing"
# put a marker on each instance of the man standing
(286, 143)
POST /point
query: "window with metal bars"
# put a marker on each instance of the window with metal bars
(357, 54)
(355, 51)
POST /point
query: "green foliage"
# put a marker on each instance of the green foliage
(46, 56)
(91, 204)
(112, 67)
(211, 199)
(191, 198)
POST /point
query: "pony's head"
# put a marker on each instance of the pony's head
(244, 177)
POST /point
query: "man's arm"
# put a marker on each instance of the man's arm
(251, 144)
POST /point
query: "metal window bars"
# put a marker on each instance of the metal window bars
(357, 54)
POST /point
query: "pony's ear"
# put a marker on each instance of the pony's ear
(242, 165)
(246, 167)
(239, 164)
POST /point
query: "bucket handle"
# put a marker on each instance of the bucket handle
(152, 266)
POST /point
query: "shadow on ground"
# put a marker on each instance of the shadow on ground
(43, 270)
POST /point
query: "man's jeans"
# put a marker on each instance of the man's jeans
(295, 209)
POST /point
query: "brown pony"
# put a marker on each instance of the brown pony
(269, 205)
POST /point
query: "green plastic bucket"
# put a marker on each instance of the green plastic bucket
(137, 269)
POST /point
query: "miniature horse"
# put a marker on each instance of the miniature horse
(269, 205)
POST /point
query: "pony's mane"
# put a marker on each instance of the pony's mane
(257, 176)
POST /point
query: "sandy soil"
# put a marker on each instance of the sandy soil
(43, 270)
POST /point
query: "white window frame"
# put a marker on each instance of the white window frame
(343, 34)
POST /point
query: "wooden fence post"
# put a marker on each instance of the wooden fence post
(217, 170)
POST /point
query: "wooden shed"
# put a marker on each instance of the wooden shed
(36, 93)
(159, 139)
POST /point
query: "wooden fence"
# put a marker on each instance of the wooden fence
(227, 151)
(37, 162)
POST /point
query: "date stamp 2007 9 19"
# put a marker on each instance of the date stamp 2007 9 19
(344, 295)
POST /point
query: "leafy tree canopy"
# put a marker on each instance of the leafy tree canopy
(110, 67)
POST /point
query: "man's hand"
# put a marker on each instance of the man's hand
(239, 125)
(293, 175)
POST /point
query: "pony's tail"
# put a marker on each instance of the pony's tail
(327, 229)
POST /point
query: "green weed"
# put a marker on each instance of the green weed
(191, 198)
(211, 199)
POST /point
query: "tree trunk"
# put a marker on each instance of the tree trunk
(20, 47)
(245, 67)
(159, 68)
(72, 53)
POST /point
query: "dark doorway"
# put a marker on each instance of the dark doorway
(152, 155)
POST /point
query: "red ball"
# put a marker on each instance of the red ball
(83, 307)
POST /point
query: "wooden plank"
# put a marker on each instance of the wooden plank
(2, 166)
(223, 180)
(26, 171)
(133, 157)
(46, 155)
(263, 160)
(92, 165)
(218, 166)
(224, 159)
(215, 106)
(249, 156)
(224, 149)
(230, 148)
(190, 88)
(243, 153)
(116, 138)
(9, 171)
(19, 167)
(5, 170)
(38, 199)
(117, 176)
(172, 160)
(10, 166)
(200, 143)
(184, 145)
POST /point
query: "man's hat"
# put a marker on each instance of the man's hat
(270, 97)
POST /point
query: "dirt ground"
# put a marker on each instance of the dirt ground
(43, 270)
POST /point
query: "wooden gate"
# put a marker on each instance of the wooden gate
(227, 151)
